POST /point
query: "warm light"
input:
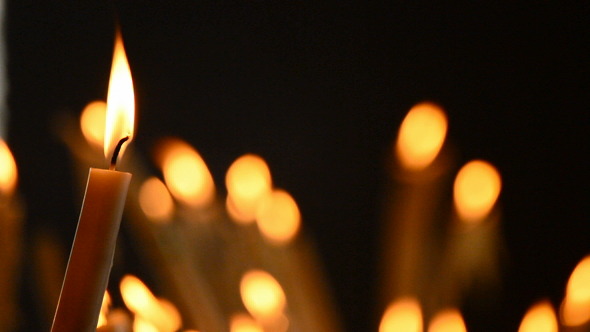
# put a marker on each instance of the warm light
(421, 136)
(539, 318)
(403, 315)
(278, 217)
(575, 309)
(476, 190)
(449, 320)
(92, 122)
(243, 323)
(142, 325)
(8, 172)
(261, 294)
(185, 173)
(155, 200)
(104, 309)
(247, 181)
(120, 115)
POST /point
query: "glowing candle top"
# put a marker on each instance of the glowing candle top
(8, 172)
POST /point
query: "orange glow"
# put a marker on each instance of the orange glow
(243, 323)
(8, 171)
(261, 294)
(142, 325)
(575, 309)
(104, 309)
(185, 173)
(476, 189)
(403, 315)
(539, 318)
(92, 122)
(120, 115)
(278, 217)
(449, 320)
(247, 181)
(421, 136)
(155, 200)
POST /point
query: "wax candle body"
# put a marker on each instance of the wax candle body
(92, 252)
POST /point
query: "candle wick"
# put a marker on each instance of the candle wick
(116, 152)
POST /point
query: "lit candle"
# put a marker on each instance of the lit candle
(106, 190)
(575, 308)
(402, 315)
(539, 318)
(447, 320)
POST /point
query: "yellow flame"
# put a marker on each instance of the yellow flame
(8, 171)
(120, 115)
(261, 294)
(539, 318)
(403, 315)
(92, 123)
(104, 309)
(476, 189)
(247, 180)
(155, 200)
(185, 173)
(278, 217)
(243, 323)
(141, 324)
(575, 309)
(448, 320)
(421, 136)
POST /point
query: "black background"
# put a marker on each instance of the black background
(318, 90)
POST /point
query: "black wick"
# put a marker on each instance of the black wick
(116, 152)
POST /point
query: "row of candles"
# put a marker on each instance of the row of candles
(241, 263)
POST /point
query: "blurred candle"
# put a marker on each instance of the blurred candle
(265, 299)
(539, 318)
(243, 322)
(575, 308)
(448, 320)
(155, 200)
(94, 244)
(402, 315)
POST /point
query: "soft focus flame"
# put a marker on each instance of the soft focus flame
(8, 171)
(262, 295)
(185, 173)
(155, 200)
(575, 309)
(247, 180)
(539, 318)
(92, 123)
(278, 217)
(403, 315)
(104, 309)
(476, 190)
(421, 136)
(449, 320)
(120, 115)
(243, 323)
(142, 325)
(140, 300)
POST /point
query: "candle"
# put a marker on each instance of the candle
(539, 318)
(106, 190)
(447, 320)
(404, 314)
(575, 308)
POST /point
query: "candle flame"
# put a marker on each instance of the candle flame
(185, 173)
(247, 180)
(421, 136)
(142, 325)
(539, 318)
(575, 309)
(92, 122)
(278, 217)
(120, 115)
(8, 171)
(476, 189)
(448, 320)
(243, 323)
(403, 315)
(104, 309)
(262, 295)
(155, 200)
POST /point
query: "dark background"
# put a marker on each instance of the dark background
(318, 90)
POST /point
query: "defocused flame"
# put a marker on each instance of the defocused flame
(476, 190)
(140, 300)
(539, 318)
(142, 325)
(449, 320)
(421, 136)
(104, 309)
(120, 115)
(403, 315)
(92, 123)
(243, 323)
(8, 171)
(261, 294)
(247, 181)
(278, 217)
(185, 173)
(575, 309)
(155, 200)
